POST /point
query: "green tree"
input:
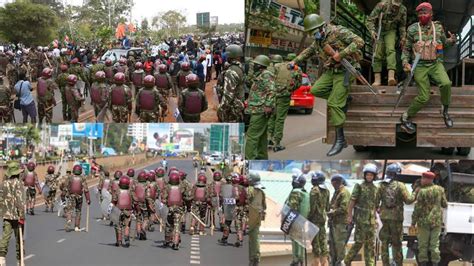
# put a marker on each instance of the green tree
(170, 22)
(30, 24)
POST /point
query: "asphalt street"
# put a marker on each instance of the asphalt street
(303, 136)
(47, 244)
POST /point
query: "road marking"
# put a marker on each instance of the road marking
(60, 240)
(194, 262)
(29, 256)
(309, 142)
(321, 113)
(194, 252)
(195, 248)
(195, 257)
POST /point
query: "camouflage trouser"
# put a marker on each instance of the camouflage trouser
(428, 240)
(230, 114)
(50, 199)
(30, 196)
(254, 244)
(364, 236)
(173, 223)
(120, 114)
(43, 114)
(199, 209)
(239, 215)
(74, 204)
(6, 114)
(392, 233)
(9, 227)
(141, 213)
(340, 236)
(66, 108)
(297, 251)
(319, 243)
(149, 116)
(123, 226)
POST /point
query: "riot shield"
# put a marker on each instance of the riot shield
(81, 86)
(106, 200)
(228, 201)
(297, 227)
(161, 209)
(45, 190)
(114, 214)
(60, 206)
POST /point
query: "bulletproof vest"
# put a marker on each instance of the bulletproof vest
(30, 179)
(95, 93)
(75, 185)
(217, 187)
(152, 191)
(140, 192)
(242, 196)
(109, 72)
(137, 78)
(69, 94)
(118, 95)
(124, 200)
(283, 77)
(193, 102)
(42, 87)
(426, 49)
(390, 195)
(161, 183)
(161, 81)
(147, 100)
(106, 184)
(182, 81)
(114, 185)
(175, 198)
(200, 194)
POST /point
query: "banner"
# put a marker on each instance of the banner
(260, 37)
(88, 130)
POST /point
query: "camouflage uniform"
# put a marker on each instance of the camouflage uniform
(175, 215)
(257, 205)
(298, 201)
(6, 108)
(51, 180)
(76, 102)
(393, 22)
(187, 188)
(319, 205)
(31, 190)
(239, 212)
(141, 208)
(12, 75)
(180, 75)
(125, 219)
(338, 222)
(74, 201)
(120, 113)
(231, 107)
(79, 72)
(35, 64)
(262, 94)
(104, 92)
(286, 81)
(331, 85)
(183, 96)
(12, 206)
(215, 200)
(428, 216)
(61, 81)
(427, 70)
(365, 196)
(149, 116)
(392, 195)
(47, 102)
(94, 69)
(199, 208)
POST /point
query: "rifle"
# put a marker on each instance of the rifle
(406, 82)
(379, 31)
(330, 51)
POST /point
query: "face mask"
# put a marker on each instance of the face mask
(318, 36)
(424, 19)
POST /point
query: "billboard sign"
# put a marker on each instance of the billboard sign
(88, 130)
(203, 19)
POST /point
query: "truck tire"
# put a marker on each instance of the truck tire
(464, 151)
(447, 150)
(308, 111)
(359, 148)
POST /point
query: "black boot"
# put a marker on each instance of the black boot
(223, 241)
(447, 120)
(407, 126)
(127, 242)
(270, 144)
(143, 235)
(278, 148)
(339, 144)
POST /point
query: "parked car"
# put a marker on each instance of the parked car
(301, 98)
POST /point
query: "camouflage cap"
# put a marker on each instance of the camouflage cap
(13, 169)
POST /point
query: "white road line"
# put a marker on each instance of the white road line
(194, 262)
(309, 142)
(29, 256)
(60, 240)
(195, 248)
(321, 113)
(196, 257)
(194, 252)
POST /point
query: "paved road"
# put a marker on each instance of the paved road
(303, 136)
(86, 113)
(47, 244)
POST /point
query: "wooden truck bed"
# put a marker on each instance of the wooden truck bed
(369, 121)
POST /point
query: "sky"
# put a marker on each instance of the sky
(228, 11)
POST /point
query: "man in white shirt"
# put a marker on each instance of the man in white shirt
(208, 65)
